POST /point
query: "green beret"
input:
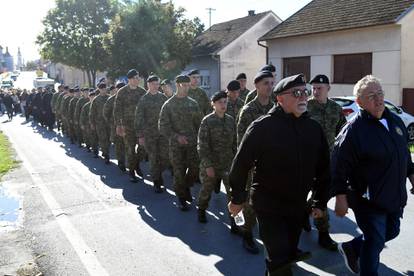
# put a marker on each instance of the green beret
(182, 79)
(320, 79)
(289, 82)
(261, 75)
(218, 95)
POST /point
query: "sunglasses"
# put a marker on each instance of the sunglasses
(299, 93)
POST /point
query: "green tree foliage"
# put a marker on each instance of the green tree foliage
(74, 32)
(152, 37)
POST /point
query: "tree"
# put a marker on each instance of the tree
(74, 32)
(152, 37)
(31, 66)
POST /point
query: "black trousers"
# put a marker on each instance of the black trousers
(280, 235)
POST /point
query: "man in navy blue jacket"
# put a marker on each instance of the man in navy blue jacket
(371, 163)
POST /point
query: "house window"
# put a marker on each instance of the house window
(349, 69)
(296, 65)
(205, 79)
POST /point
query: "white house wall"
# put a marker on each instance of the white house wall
(407, 50)
(244, 54)
(384, 42)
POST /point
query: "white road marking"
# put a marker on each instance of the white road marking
(84, 253)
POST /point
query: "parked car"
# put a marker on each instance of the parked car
(350, 108)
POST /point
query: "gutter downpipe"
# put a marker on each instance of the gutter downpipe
(267, 50)
(217, 58)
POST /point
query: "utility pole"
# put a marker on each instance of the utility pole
(209, 16)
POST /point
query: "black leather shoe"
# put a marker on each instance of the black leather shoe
(157, 187)
(202, 216)
(182, 203)
(107, 161)
(121, 166)
(234, 229)
(249, 244)
(326, 242)
(132, 177)
(301, 255)
(139, 172)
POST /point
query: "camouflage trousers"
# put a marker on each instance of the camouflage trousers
(185, 163)
(208, 184)
(157, 149)
(134, 155)
(322, 224)
(248, 212)
(79, 135)
(90, 137)
(119, 145)
(103, 139)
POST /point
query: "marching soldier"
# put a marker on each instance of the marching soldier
(198, 94)
(126, 101)
(166, 88)
(98, 122)
(87, 133)
(234, 103)
(84, 98)
(118, 141)
(146, 121)
(216, 145)
(179, 122)
(242, 79)
(252, 94)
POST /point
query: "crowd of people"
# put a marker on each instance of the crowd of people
(270, 148)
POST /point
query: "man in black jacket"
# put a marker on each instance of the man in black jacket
(371, 163)
(291, 155)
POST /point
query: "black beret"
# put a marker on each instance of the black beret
(71, 90)
(289, 82)
(269, 67)
(91, 89)
(261, 75)
(166, 81)
(119, 85)
(218, 95)
(101, 80)
(101, 85)
(320, 79)
(241, 76)
(233, 85)
(194, 72)
(66, 87)
(132, 73)
(153, 78)
(182, 79)
(92, 93)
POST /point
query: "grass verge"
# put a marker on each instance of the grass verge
(7, 161)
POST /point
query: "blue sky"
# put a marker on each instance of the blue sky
(21, 19)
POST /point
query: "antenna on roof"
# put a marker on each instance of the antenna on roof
(209, 16)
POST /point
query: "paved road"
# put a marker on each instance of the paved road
(87, 219)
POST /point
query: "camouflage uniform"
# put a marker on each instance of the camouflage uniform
(57, 107)
(90, 136)
(250, 96)
(76, 117)
(118, 141)
(249, 113)
(146, 121)
(126, 101)
(331, 118)
(243, 94)
(64, 113)
(71, 115)
(216, 147)
(233, 108)
(98, 123)
(200, 96)
(181, 116)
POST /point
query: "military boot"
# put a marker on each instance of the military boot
(107, 161)
(121, 166)
(132, 177)
(183, 205)
(139, 172)
(157, 187)
(95, 153)
(234, 229)
(202, 216)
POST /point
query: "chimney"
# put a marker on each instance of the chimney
(251, 12)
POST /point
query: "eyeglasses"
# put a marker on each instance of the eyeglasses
(299, 93)
(375, 95)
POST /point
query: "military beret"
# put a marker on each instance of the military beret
(132, 73)
(233, 85)
(194, 72)
(152, 78)
(218, 95)
(92, 93)
(101, 80)
(119, 85)
(182, 79)
(91, 89)
(241, 76)
(261, 75)
(320, 79)
(289, 82)
(71, 90)
(269, 67)
(76, 88)
(66, 87)
(165, 81)
(101, 85)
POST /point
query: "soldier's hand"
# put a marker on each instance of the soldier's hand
(182, 140)
(141, 141)
(317, 213)
(210, 172)
(234, 209)
(341, 205)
